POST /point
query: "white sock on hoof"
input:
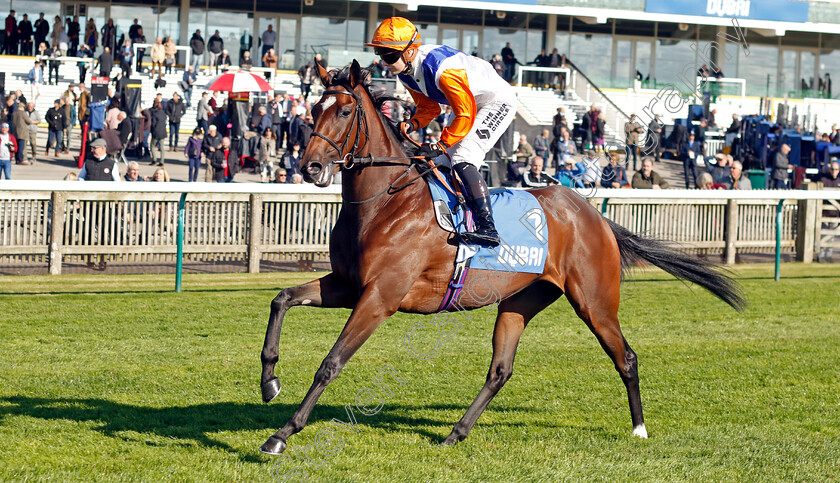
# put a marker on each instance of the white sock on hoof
(640, 431)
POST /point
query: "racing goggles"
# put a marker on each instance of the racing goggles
(391, 56)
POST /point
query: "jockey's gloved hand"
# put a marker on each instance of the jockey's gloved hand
(430, 150)
(407, 127)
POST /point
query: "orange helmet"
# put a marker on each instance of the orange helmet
(396, 33)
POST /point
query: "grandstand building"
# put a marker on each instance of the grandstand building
(628, 49)
(793, 44)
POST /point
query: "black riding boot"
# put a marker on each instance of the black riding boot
(478, 199)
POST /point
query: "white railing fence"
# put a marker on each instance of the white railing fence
(137, 222)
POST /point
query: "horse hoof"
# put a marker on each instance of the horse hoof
(640, 431)
(450, 440)
(273, 446)
(270, 390)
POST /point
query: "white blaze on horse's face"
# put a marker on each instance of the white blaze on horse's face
(327, 103)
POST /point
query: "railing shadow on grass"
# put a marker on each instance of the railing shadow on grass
(195, 424)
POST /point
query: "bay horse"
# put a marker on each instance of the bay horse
(388, 254)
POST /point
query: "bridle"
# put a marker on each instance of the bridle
(350, 160)
(359, 122)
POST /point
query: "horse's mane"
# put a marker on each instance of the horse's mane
(342, 77)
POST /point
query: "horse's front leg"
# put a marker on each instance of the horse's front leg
(373, 308)
(327, 291)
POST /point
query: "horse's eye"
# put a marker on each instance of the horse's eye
(345, 112)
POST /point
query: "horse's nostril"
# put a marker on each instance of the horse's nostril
(314, 168)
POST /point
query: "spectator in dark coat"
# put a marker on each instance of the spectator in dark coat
(225, 162)
(211, 142)
(780, 167)
(109, 35)
(10, 44)
(614, 175)
(74, 30)
(124, 127)
(692, 151)
(158, 129)
(145, 131)
(215, 46)
(55, 121)
(106, 63)
(24, 34)
(830, 178)
(175, 110)
(42, 29)
(197, 46)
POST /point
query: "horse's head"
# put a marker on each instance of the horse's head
(340, 126)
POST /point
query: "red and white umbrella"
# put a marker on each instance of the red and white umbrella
(240, 81)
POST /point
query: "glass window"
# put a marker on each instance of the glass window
(449, 37)
(623, 59)
(593, 55)
(287, 43)
(561, 42)
(319, 35)
(829, 64)
(675, 59)
(428, 32)
(495, 39)
(469, 41)
(169, 21)
(124, 18)
(198, 21)
(643, 61)
(806, 71)
(758, 67)
(51, 8)
(534, 44)
(231, 26)
(788, 80)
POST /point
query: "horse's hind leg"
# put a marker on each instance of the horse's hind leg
(327, 291)
(596, 303)
(514, 314)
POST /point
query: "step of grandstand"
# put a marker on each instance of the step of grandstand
(538, 106)
(17, 71)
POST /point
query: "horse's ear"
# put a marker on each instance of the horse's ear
(355, 73)
(323, 74)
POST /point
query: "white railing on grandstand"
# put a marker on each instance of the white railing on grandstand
(65, 59)
(148, 50)
(570, 77)
(137, 222)
(699, 81)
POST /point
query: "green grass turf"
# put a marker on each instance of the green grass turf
(117, 378)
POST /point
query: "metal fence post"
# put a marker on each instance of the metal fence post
(56, 231)
(779, 238)
(182, 208)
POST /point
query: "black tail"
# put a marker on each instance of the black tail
(634, 248)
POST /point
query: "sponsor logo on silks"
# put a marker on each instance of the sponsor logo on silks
(520, 255)
(728, 8)
(482, 133)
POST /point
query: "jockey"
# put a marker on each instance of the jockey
(484, 105)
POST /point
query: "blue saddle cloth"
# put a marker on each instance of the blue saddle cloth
(520, 221)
